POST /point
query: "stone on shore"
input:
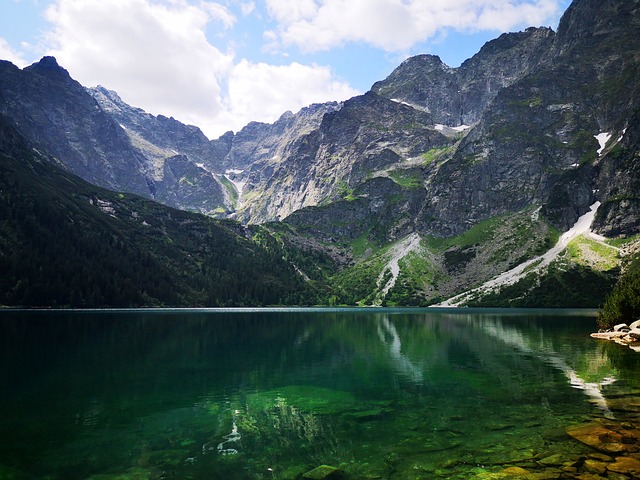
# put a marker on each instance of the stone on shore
(635, 324)
(623, 335)
(634, 333)
(609, 335)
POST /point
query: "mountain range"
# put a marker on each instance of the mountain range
(432, 183)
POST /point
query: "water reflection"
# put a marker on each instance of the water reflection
(239, 395)
(391, 340)
(541, 347)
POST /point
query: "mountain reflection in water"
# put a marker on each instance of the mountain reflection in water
(275, 393)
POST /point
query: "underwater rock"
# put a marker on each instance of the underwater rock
(626, 465)
(599, 437)
(171, 458)
(135, 473)
(366, 415)
(306, 398)
(324, 472)
(515, 471)
(556, 459)
(595, 466)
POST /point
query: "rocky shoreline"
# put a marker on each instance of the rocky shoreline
(623, 334)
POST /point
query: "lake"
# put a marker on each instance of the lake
(274, 394)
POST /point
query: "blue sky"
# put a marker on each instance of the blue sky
(220, 64)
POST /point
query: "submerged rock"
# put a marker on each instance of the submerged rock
(626, 465)
(603, 438)
(515, 471)
(556, 459)
(135, 473)
(324, 472)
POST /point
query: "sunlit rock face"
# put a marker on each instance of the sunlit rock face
(96, 136)
(351, 146)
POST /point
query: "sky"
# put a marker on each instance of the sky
(221, 64)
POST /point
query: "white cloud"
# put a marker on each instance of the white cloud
(286, 11)
(8, 53)
(257, 91)
(395, 25)
(156, 55)
(247, 8)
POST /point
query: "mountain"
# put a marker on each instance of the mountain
(366, 138)
(55, 113)
(459, 96)
(430, 184)
(93, 134)
(65, 242)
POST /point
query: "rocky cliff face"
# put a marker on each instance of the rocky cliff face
(459, 96)
(181, 164)
(536, 101)
(259, 142)
(101, 139)
(365, 139)
(536, 142)
(159, 136)
(54, 111)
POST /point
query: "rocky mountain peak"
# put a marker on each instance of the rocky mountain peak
(459, 96)
(510, 40)
(48, 66)
(587, 22)
(105, 96)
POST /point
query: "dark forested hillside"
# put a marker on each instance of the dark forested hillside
(64, 242)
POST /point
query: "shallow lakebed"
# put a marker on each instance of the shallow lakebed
(275, 393)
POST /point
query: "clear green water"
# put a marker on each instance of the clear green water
(274, 394)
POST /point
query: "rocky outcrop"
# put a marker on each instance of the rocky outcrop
(157, 136)
(380, 208)
(351, 146)
(618, 181)
(186, 186)
(622, 334)
(184, 166)
(55, 112)
(259, 142)
(98, 137)
(459, 96)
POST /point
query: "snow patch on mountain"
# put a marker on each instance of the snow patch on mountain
(581, 227)
(232, 176)
(397, 252)
(602, 138)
